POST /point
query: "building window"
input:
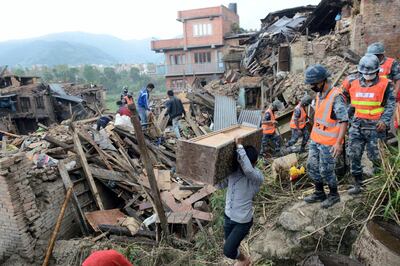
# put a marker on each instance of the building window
(202, 58)
(178, 84)
(202, 29)
(39, 102)
(177, 59)
(25, 104)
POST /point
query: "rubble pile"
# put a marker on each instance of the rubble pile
(108, 177)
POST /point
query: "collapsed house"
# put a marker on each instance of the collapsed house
(25, 102)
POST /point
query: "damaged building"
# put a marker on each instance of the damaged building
(26, 101)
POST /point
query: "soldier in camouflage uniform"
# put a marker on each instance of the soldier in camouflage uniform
(373, 102)
(329, 129)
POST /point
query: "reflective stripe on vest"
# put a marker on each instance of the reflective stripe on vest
(301, 120)
(325, 129)
(367, 101)
(386, 67)
(268, 127)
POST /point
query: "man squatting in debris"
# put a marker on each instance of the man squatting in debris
(298, 123)
(175, 111)
(269, 128)
(327, 135)
(373, 103)
(242, 185)
(143, 102)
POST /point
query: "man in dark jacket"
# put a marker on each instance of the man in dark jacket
(175, 111)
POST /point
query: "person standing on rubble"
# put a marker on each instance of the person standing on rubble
(327, 135)
(242, 186)
(298, 123)
(373, 101)
(143, 102)
(175, 111)
(269, 128)
(124, 92)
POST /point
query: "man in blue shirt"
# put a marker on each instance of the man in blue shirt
(143, 102)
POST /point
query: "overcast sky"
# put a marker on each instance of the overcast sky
(126, 19)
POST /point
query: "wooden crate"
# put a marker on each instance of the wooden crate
(209, 158)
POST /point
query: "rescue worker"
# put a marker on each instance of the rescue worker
(373, 100)
(327, 135)
(175, 111)
(269, 127)
(143, 102)
(128, 98)
(298, 123)
(124, 92)
(389, 68)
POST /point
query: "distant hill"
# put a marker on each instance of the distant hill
(76, 48)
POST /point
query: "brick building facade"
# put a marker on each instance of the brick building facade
(199, 52)
(377, 21)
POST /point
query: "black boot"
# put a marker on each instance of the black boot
(318, 195)
(356, 189)
(333, 197)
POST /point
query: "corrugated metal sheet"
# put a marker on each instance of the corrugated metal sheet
(252, 117)
(224, 112)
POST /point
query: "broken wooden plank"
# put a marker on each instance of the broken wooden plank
(123, 231)
(86, 169)
(205, 216)
(170, 202)
(104, 217)
(56, 142)
(193, 125)
(10, 134)
(204, 192)
(145, 205)
(108, 174)
(180, 194)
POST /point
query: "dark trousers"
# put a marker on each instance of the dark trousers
(234, 234)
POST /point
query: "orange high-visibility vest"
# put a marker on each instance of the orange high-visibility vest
(368, 100)
(128, 100)
(386, 67)
(301, 120)
(325, 129)
(269, 127)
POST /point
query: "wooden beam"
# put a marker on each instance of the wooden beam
(87, 138)
(86, 169)
(78, 210)
(193, 125)
(56, 142)
(10, 134)
(149, 168)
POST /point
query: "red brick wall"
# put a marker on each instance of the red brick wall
(378, 21)
(30, 201)
(229, 19)
(215, 38)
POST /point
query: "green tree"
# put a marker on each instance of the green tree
(91, 74)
